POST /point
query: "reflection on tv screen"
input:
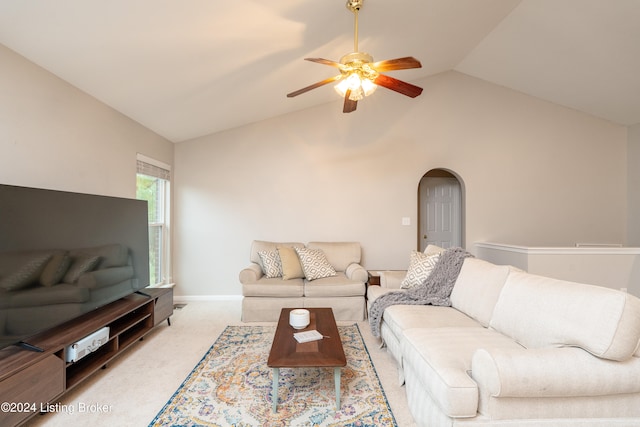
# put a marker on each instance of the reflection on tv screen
(64, 254)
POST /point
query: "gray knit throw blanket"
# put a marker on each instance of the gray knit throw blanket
(436, 290)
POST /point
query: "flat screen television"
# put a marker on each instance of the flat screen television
(64, 254)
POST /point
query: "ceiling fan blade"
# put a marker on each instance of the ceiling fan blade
(396, 64)
(324, 61)
(315, 85)
(398, 85)
(349, 104)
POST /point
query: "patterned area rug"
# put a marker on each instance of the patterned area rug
(231, 386)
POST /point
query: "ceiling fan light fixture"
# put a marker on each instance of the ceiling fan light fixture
(368, 86)
(359, 86)
(358, 76)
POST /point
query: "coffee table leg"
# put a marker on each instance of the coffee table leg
(336, 377)
(274, 389)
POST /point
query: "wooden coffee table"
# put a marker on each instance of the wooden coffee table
(286, 352)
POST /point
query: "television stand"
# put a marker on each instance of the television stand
(41, 378)
(30, 347)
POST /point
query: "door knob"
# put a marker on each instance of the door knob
(424, 237)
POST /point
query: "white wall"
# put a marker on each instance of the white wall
(633, 164)
(55, 136)
(535, 174)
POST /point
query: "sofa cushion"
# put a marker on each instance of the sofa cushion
(314, 264)
(275, 287)
(441, 358)
(603, 321)
(339, 254)
(337, 285)
(478, 287)
(392, 279)
(291, 267)
(271, 265)
(420, 267)
(402, 317)
(373, 292)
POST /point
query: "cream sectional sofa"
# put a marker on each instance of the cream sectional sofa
(344, 291)
(517, 349)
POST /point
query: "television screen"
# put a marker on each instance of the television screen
(64, 254)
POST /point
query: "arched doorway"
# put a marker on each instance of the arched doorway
(440, 210)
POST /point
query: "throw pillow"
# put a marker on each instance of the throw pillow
(315, 264)
(271, 265)
(291, 268)
(420, 267)
(81, 264)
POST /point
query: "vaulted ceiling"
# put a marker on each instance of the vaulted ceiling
(194, 67)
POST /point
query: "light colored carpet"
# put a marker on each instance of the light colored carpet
(232, 386)
(137, 384)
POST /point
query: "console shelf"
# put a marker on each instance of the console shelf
(76, 372)
(41, 378)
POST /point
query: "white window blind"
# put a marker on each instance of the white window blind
(149, 169)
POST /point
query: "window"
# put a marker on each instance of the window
(153, 185)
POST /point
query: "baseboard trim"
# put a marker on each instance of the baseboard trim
(196, 298)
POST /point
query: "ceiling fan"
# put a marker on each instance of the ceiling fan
(359, 75)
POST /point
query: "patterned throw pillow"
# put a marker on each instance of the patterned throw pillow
(314, 264)
(271, 265)
(420, 267)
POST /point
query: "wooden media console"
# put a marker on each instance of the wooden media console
(31, 380)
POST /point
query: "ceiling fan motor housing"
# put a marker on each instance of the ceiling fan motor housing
(356, 58)
(358, 62)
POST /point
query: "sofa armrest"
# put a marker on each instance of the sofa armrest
(105, 277)
(250, 274)
(392, 279)
(357, 272)
(551, 372)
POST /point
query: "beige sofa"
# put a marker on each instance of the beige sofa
(517, 349)
(343, 291)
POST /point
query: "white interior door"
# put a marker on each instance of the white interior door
(440, 212)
